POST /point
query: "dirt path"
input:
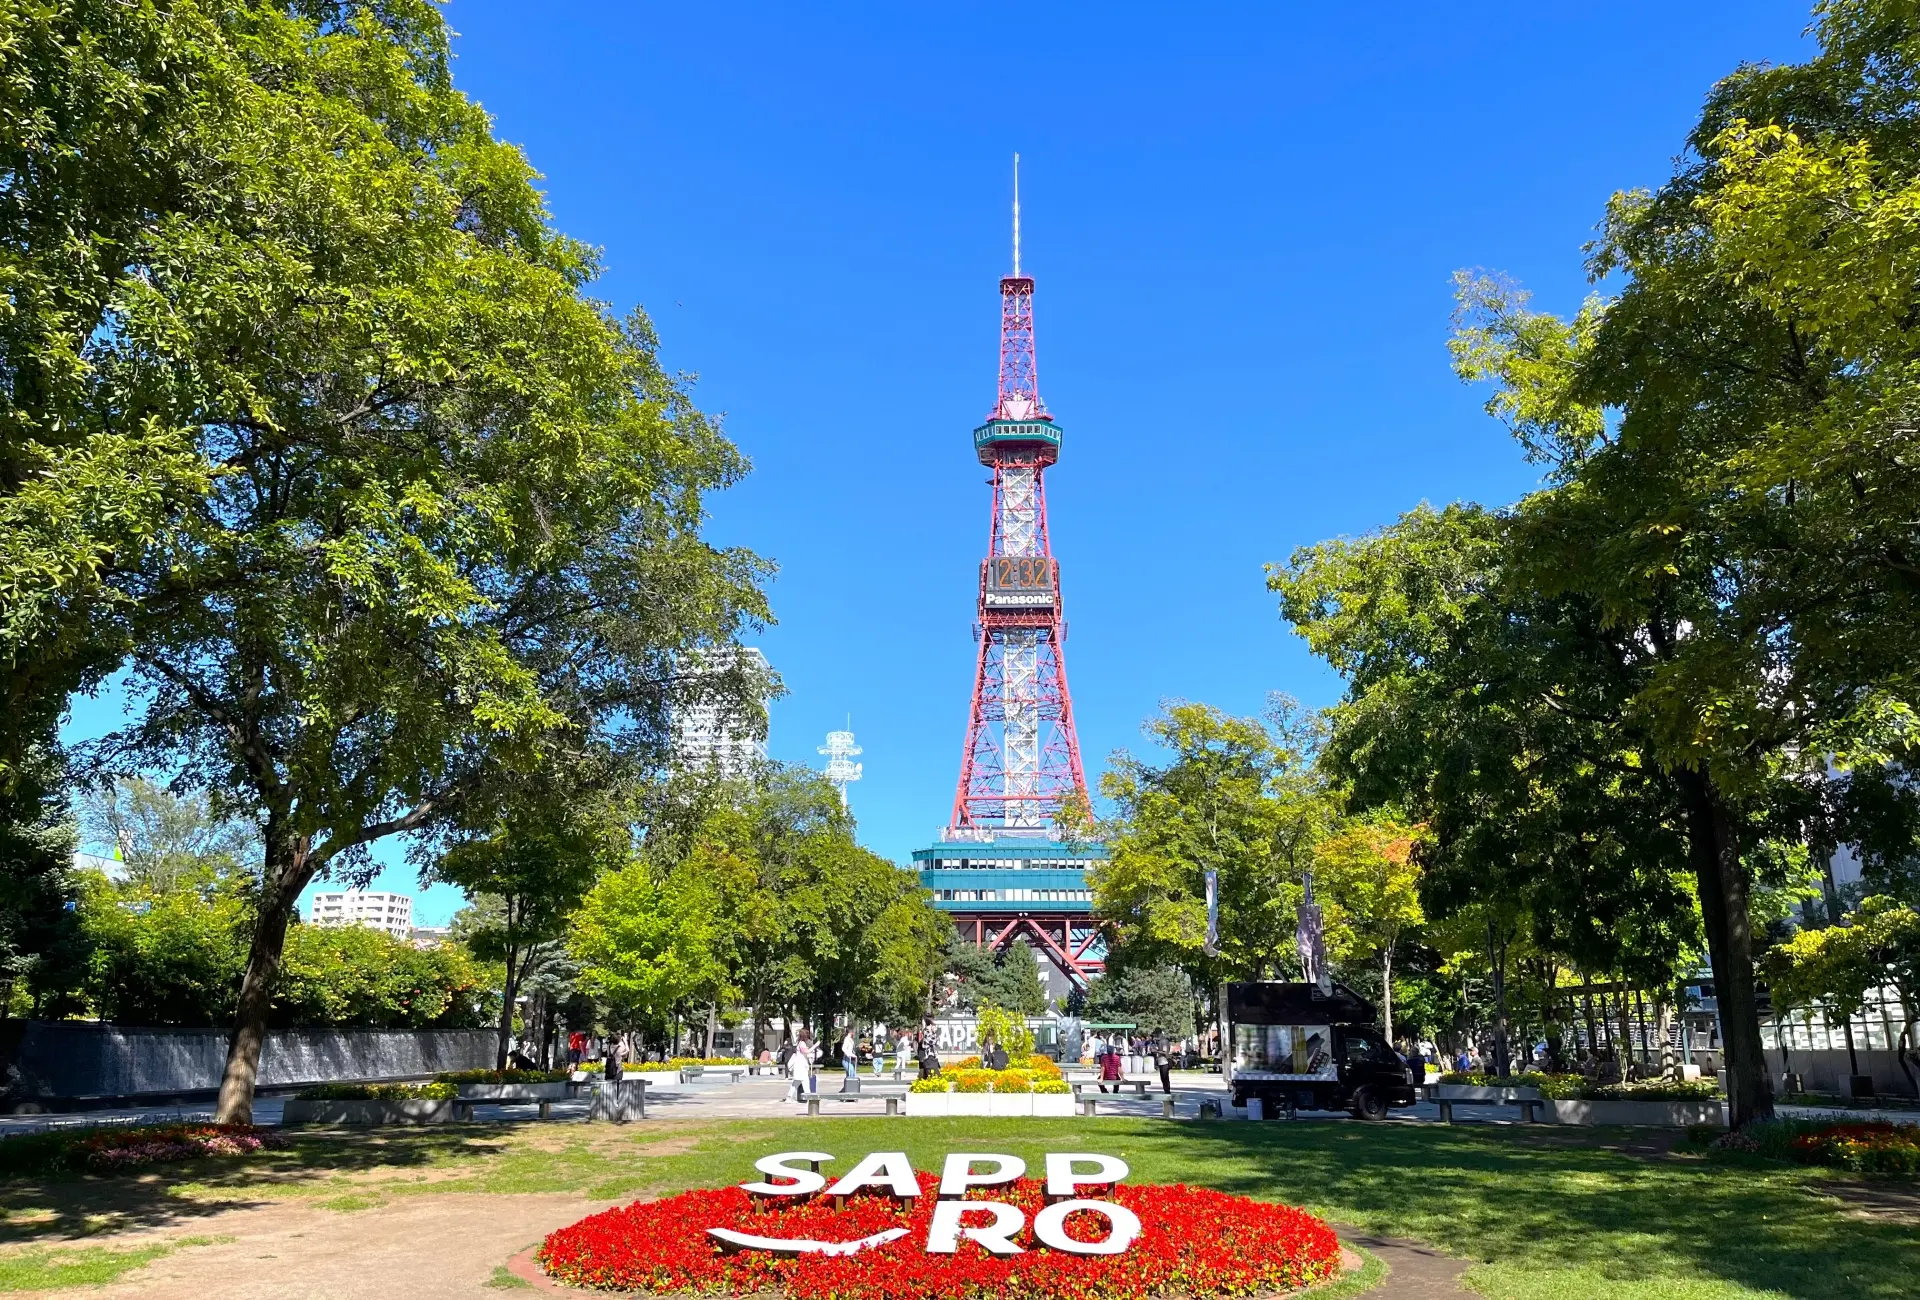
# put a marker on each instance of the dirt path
(413, 1248)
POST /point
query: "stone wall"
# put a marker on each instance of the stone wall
(45, 1059)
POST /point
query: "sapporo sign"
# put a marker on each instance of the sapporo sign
(890, 1172)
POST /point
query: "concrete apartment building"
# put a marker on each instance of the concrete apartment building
(390, 912)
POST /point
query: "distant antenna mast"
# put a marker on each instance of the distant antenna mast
(840, 750)
(1016, 215)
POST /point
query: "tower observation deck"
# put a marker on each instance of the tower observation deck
(1001, 867)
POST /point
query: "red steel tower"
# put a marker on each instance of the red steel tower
(1022, 757)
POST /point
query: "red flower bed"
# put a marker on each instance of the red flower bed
(1192, 1242)
(129, 1148)
(1872, 1146)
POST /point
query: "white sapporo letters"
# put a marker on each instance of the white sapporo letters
(1067, 1173)
(805, 1180)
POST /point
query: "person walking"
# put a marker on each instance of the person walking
(804, 1063)
(1163, 1062)
(902, 1046)
(850, 1055)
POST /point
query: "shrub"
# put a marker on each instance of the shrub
(379, 1092)
(936, 1083)
(1013, 1081)
(503, 1076)
(972, 1080)
(1055, 1085)
(1574, 1087)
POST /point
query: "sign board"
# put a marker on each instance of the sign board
(1019, 582)
(891, 1173)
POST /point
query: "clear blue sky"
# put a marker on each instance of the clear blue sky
(1242, 220)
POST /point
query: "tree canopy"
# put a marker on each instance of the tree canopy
(325, 441)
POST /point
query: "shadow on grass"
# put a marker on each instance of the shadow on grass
(1555, 1202)
(1588, 1204)
(67, 1204)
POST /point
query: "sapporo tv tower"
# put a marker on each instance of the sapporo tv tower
(1001, 868)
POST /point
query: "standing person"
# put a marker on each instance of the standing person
(902, 1043)
(803, 1066)
(1163, 1061)
(850, 1054)
(1416, 1064)
(1110, 1068)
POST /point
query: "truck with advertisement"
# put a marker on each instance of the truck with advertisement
(1296, 1048)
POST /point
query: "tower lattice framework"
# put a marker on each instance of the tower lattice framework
(1022, 755)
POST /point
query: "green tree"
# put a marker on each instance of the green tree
(166, 841)
(1372, 879)
(644, 945)
(1726, 436)
(40, 952)
(1835, 967)
(1154, 998)
(1241, 797)
(1494, 716)
(533, 867)
(380, 508)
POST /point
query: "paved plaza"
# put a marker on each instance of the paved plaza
(772, 1098)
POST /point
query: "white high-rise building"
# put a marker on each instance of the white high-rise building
(390, 912)
(707, 734)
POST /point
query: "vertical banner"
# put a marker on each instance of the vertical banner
(1311, 943)
(1212, 948)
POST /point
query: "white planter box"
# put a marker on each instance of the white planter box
(938, 1104)
(1650, 1114)
(1469, 1092)
(367, 1112)
(969, 1103)
(513, 1091)
(1056, 1104)
(1010, 1103)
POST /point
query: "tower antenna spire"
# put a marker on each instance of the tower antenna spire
(1016, 214)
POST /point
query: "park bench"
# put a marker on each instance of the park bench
(892, 1097)
(1449, 1095)
(1139, 1086)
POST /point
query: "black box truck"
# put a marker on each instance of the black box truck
(1298, 1049)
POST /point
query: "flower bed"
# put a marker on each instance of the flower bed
(435, 1091)
(1875, 1147)
(1193, 1242)
(1035, 1063)
(1574, 1087)
(678, 1062)
(132, 1148)
(503, 1076)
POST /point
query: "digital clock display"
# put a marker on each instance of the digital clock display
(1019, 581)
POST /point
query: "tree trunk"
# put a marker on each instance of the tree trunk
(1497, 962)
(1728, 921)
(287, 873)
(1624, 1007)
(1386, 991)
(507, 995)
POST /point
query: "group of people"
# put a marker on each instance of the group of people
(799, 1058)
(1110, 1058)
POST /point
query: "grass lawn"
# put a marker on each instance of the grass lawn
(1544, 1214)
